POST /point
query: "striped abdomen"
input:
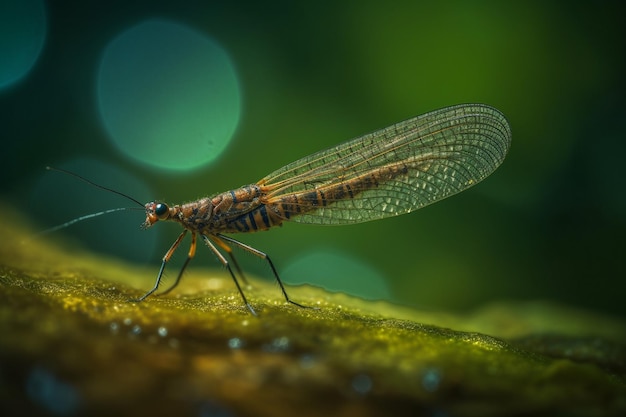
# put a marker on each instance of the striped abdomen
(248, 210)
(316, 199)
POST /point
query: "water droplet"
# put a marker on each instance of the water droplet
(307, 361)
(136, 330)
(235, 343)
(431, 378)
(162, 331)
(362, 384)
(114, 327)
(280, 344)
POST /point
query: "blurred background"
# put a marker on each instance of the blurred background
(178, 100)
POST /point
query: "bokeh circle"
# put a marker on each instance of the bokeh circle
(168, 95)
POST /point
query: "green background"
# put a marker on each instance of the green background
(549, 224)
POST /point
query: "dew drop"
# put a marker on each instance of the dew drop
(114, 327)
(235, 343)
(431, 379)
(362, 384)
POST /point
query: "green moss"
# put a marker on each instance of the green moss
(68, 329)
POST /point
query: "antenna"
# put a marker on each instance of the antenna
(92, 215)
(102, 187)
(81, 218)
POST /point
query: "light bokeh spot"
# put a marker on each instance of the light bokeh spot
(22, 36)
(337, 272)
(168, 95)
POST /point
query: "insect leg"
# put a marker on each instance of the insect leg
(263, 255)
(207, 240)
(190, 255)
(230, 253)
(166, 258)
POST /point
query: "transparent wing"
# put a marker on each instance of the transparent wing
(394, 170)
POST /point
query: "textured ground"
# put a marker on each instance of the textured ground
(72, 344)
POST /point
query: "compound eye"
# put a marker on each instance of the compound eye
(162, 211)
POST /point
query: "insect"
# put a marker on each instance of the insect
(386, 173)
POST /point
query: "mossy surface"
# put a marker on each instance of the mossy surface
(73, 344)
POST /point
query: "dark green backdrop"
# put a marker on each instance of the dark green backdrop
(549, 224)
